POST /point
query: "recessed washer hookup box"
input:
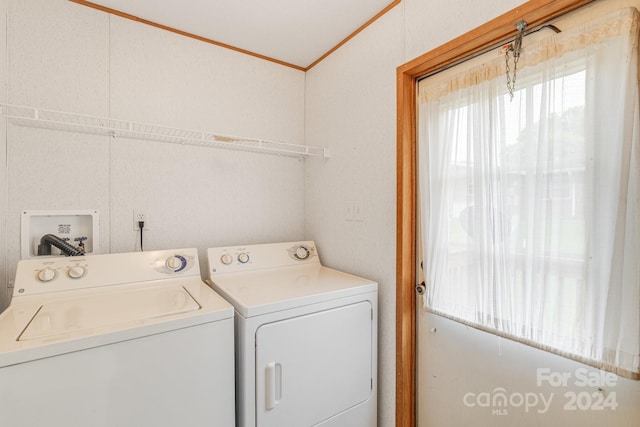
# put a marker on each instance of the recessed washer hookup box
(72, 226)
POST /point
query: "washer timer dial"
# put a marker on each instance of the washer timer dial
(175, 263)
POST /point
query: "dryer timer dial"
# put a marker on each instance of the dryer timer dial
(302, 252)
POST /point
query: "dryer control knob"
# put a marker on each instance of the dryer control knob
(76, 272)
(175, 263)
(302, 253)
(243, 257)
(226, 259)
(46, 275)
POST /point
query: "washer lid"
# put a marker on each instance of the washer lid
(44, 325)
(266, 291)
(93, 311)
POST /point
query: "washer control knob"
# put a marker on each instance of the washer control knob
(175, 263)
(226, 259)
(302, 253)
(76, 272)
(46, 275)
(243, 257)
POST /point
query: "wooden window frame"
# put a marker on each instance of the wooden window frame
(493, 33)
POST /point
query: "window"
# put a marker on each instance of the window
(530, 208)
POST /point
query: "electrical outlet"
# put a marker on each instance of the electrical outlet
(140, 216)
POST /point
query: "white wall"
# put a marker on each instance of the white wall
(63, 56)
(351, 107)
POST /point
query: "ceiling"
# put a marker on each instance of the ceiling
(296, 33)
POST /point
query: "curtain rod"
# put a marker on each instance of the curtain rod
(489, 49)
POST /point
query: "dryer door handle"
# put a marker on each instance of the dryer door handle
(273, 385)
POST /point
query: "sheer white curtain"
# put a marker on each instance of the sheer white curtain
(530, 207)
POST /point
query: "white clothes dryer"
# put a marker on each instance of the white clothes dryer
(134, 339)
(306, 337)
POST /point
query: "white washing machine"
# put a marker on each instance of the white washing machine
(306, 337)
(133, 339)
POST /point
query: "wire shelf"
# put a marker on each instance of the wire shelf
(57, 120)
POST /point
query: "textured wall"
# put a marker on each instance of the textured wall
(351, 107)
(63, 56)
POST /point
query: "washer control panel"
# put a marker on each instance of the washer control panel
(37, 276)
(53, 271)
(255, 257)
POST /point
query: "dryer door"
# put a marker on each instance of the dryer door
(313, 367)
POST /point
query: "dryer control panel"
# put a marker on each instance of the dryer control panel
(231, 259)
(44, 275)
